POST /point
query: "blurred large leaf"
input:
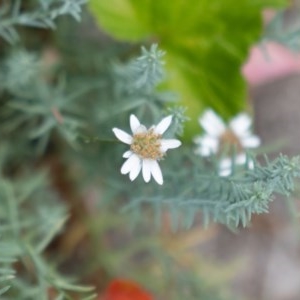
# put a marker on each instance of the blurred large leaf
(206, 41)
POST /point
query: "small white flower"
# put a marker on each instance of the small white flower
(225, 166)
(219, 137)
(146, 148)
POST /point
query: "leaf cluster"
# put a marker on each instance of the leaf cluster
(67, 107)
(31, 216)
(195, 187)
(284, 28)
(37, 13)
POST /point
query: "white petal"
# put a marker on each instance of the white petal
(134, 123)
(127, 154)
(140, 129)
(240, 159)
(163, 125)
(135, 171)
(226, 163)
(212, 123)
(156, 172)
(169, 144)
(131, 163)
(207, 144)
(225, 172)
(225, 166)
(251, 141)
(207, 141)
(203, 151)
(122, 136)
(146, 169)
(250, 164)
(240, 125)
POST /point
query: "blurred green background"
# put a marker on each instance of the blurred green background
(206, 41)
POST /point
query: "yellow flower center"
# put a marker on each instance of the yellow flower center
(147, 145)
(229, 141)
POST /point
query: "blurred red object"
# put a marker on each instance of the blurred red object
(123, 289)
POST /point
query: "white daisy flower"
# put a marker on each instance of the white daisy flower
(219, 137)
(146, 148)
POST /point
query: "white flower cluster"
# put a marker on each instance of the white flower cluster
(218, 136)
(147, 146)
